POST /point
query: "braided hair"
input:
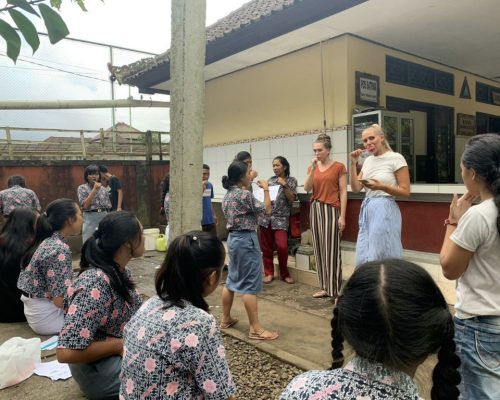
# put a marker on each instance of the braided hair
(393, 313)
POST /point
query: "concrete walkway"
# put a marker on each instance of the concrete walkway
(302, 322)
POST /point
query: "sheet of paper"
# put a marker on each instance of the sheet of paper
(49, 344)
(273, 193)
(53, 370)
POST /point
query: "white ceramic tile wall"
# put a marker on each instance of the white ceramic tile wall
(296, 149)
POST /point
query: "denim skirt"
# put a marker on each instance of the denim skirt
(245, 263)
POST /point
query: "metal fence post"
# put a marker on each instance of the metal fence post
(9, 143)
(149, 145)
(84, 150)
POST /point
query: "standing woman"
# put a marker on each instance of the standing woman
(471, 254)
(241, 210)
(328, 181)
(274, 227)
(384, 176)
(47, 271)
(94, 200)
(174, 328)
(102, 301)
(16, 236)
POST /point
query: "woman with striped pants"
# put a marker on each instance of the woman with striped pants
(328, 181)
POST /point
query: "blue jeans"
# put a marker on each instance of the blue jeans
(478, 346)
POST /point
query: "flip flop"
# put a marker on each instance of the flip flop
(229, 324)
(320, 294)
(289, 280)
(260, 335)
(268, 279)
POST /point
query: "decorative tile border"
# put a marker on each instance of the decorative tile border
(281, 136)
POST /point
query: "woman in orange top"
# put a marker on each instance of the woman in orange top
(328, 181)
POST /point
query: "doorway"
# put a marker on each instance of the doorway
(438, 164)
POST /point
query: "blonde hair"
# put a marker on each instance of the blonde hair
(325, 140)
(378, 130)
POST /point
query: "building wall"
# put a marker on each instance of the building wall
(368, 57)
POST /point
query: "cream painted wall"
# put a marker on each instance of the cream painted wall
(283, 95)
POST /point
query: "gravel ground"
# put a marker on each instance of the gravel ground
(257, 375)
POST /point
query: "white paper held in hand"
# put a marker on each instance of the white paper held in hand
(273, 193)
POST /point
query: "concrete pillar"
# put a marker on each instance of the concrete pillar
(186, 114)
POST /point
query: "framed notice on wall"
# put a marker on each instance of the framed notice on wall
(367, 89)
(466, 125)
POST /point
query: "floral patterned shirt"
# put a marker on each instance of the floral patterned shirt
(50, 271)
(280, 217)
(241, 209)
(94, 310)
(17, 196)
(359, 380)
(100, 200)
(174, 352)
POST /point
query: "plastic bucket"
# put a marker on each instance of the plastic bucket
(150, 235)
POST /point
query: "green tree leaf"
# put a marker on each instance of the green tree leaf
(56, 3)
(27, 28)
(56, 27)
(23, 4)
(81, 4)
(12, 38)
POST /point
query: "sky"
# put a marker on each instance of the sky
(75, 71)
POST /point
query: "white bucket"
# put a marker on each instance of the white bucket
(150, 235)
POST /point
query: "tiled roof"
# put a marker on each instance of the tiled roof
(249, 13)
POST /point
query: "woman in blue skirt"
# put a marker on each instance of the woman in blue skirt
(241, 209)
(384, 176)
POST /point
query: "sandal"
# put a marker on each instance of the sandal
(289, 280)
(320, 294)
(268, 279)
(229, 324)
(263, 335)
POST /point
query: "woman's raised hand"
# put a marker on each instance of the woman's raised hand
(355, 154)
(459, 205)
(263, 184)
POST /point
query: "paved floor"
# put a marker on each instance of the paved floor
(302, 322)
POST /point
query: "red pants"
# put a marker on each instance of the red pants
(268, 237)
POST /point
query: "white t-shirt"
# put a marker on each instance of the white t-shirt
(382, 168)
(478, 289)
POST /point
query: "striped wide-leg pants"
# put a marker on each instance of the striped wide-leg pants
(326, 245)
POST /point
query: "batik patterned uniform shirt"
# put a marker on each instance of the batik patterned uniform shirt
(174, 353)
(94, 310)
(280, 217)
(17, 196)
(100, 200)
(49, 273)
(359, 380)
(241, 209)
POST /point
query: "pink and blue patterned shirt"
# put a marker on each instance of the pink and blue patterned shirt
(100, 200)
(50, 272)
(280, 217)
(174, 353)
(241, 209)
(95, 310)
(17, 196)
(360, 379)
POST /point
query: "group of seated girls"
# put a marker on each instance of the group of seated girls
(171, 347)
